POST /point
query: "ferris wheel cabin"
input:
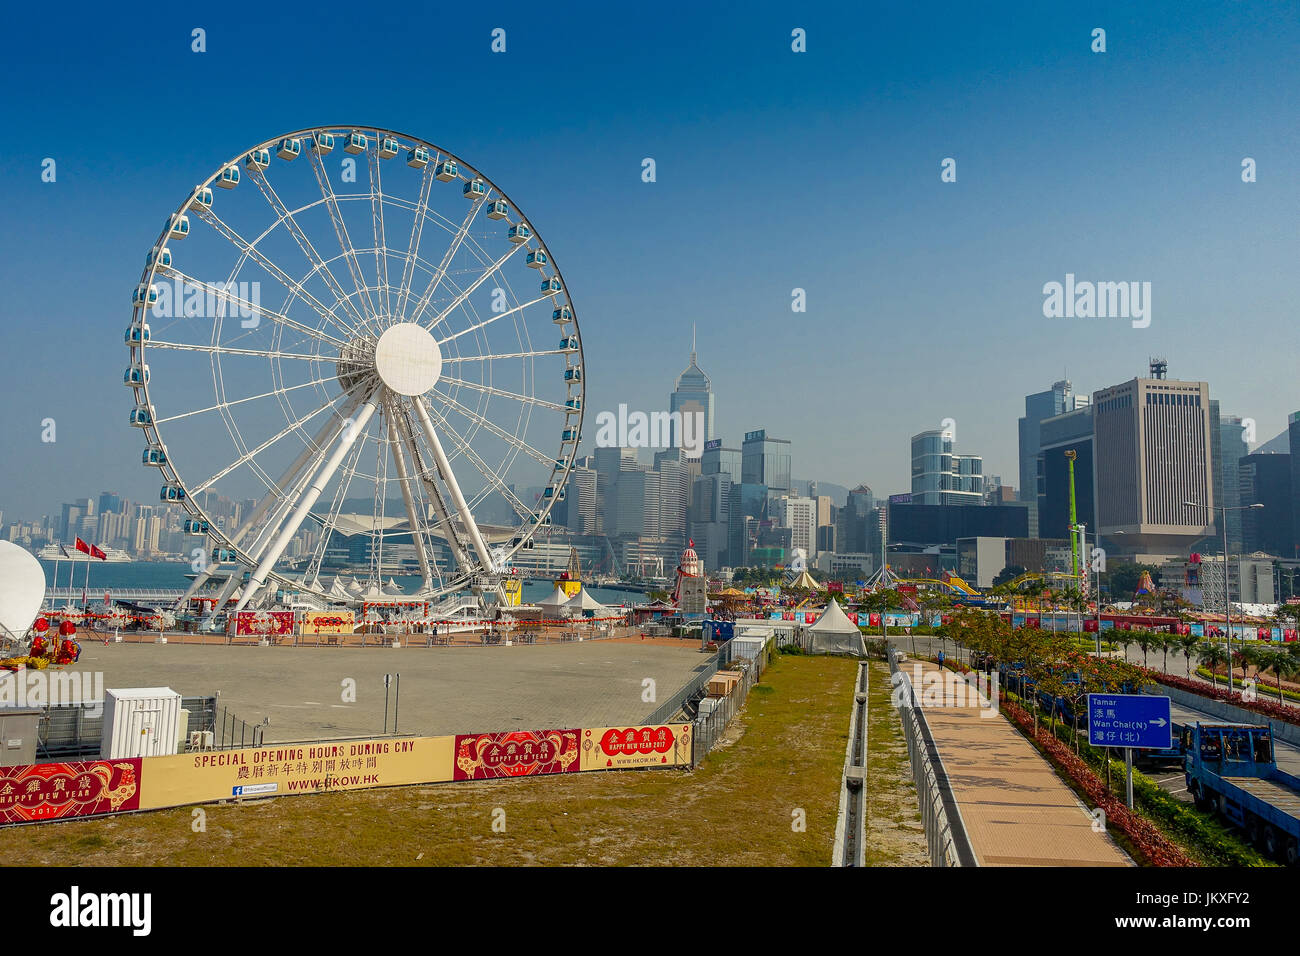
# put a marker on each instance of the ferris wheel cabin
(417, 158)
(323, 143)
(171, 493)
(289, 149)
(498, 209)
(518, 233)
(229, 177)
(141, 416)
(146, 296)
(446, 171)
(136, 375)
(258, 159)
(386, 147)
(356, 143)
(154, 457)
(552, 285)
(202, 199)
(474, 189)
(161, 258)
(137, 333)
(178, 228)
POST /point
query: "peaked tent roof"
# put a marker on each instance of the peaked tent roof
(556, 600)
(582, 601)
(805, 580)
(834, 633)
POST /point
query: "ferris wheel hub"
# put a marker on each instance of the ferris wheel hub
(408, 359)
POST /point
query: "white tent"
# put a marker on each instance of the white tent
(392, 587)
(555, 602)
(834, 633)
(337, 590)
(584, 604)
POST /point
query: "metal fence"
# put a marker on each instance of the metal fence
(709, 728)
(945, 831)
(73, 731)
(686, 697)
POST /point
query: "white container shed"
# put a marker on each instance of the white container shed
(140, 722)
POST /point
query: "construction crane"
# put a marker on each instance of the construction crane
(1070, 456)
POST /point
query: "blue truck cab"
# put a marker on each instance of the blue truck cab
(1231, 769)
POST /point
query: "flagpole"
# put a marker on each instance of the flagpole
(55, 585)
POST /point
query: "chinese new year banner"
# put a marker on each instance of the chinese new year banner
(618, 748)
(520, 753)
(52, 791)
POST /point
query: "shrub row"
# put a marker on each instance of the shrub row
(1265, 708)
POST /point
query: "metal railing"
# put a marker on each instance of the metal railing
(709, 727)
(692, 690)
(945, 832)
(69, 731)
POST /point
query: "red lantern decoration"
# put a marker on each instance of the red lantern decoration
(66, 628)
(41, 625)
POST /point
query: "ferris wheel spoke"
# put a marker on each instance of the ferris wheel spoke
(244, 306)
(501, 393)
(377, 225)
(495, 316)
(464, 293)
(244, 401)
(250, 455)
(463, 446)
(251, 251)
(413, 244)
(506, 355)
(227, 350)
(305, 244)
(435, 280)
(497, 430)
(344, 239)
(444, 467)
(347, 437)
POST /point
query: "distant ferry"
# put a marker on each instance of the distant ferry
(51, 552)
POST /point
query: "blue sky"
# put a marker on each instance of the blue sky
(775, 170)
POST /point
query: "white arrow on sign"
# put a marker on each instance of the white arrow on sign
(1158, 721)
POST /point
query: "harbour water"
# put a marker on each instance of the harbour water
(171, 574)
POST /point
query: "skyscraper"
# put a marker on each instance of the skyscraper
(1228, 447)
(765, 461)
(1152, 442)
(692, 396)
(940, 477)
(1057, 400)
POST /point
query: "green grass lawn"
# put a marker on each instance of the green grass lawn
(784, 753)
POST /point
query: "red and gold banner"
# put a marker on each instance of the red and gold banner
(53, 791)
(618, 748)
(264, 623)
(520, 753)
(328, 622)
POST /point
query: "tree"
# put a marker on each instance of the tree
(1008, 574)
(1280, 663)
(1188, 644)
(1212, 654)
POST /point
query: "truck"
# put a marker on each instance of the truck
(1230, 769)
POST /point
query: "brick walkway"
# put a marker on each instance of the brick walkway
(1017, 811)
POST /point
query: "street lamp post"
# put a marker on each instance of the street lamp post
(1227, 593)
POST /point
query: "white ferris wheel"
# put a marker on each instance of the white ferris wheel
(364, 339)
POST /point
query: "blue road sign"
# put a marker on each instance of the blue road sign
(1129, 720)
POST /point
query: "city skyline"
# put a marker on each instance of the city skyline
(964, 261)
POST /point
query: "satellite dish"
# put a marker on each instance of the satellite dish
(22, 590)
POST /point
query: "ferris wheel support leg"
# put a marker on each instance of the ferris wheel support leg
(347, 439)
(259, 512)
(435, 496)
(417, 534)
(480, 546)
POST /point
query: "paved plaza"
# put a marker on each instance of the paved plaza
(443, 690)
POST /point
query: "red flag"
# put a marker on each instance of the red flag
(82, 546)
(97, 553)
